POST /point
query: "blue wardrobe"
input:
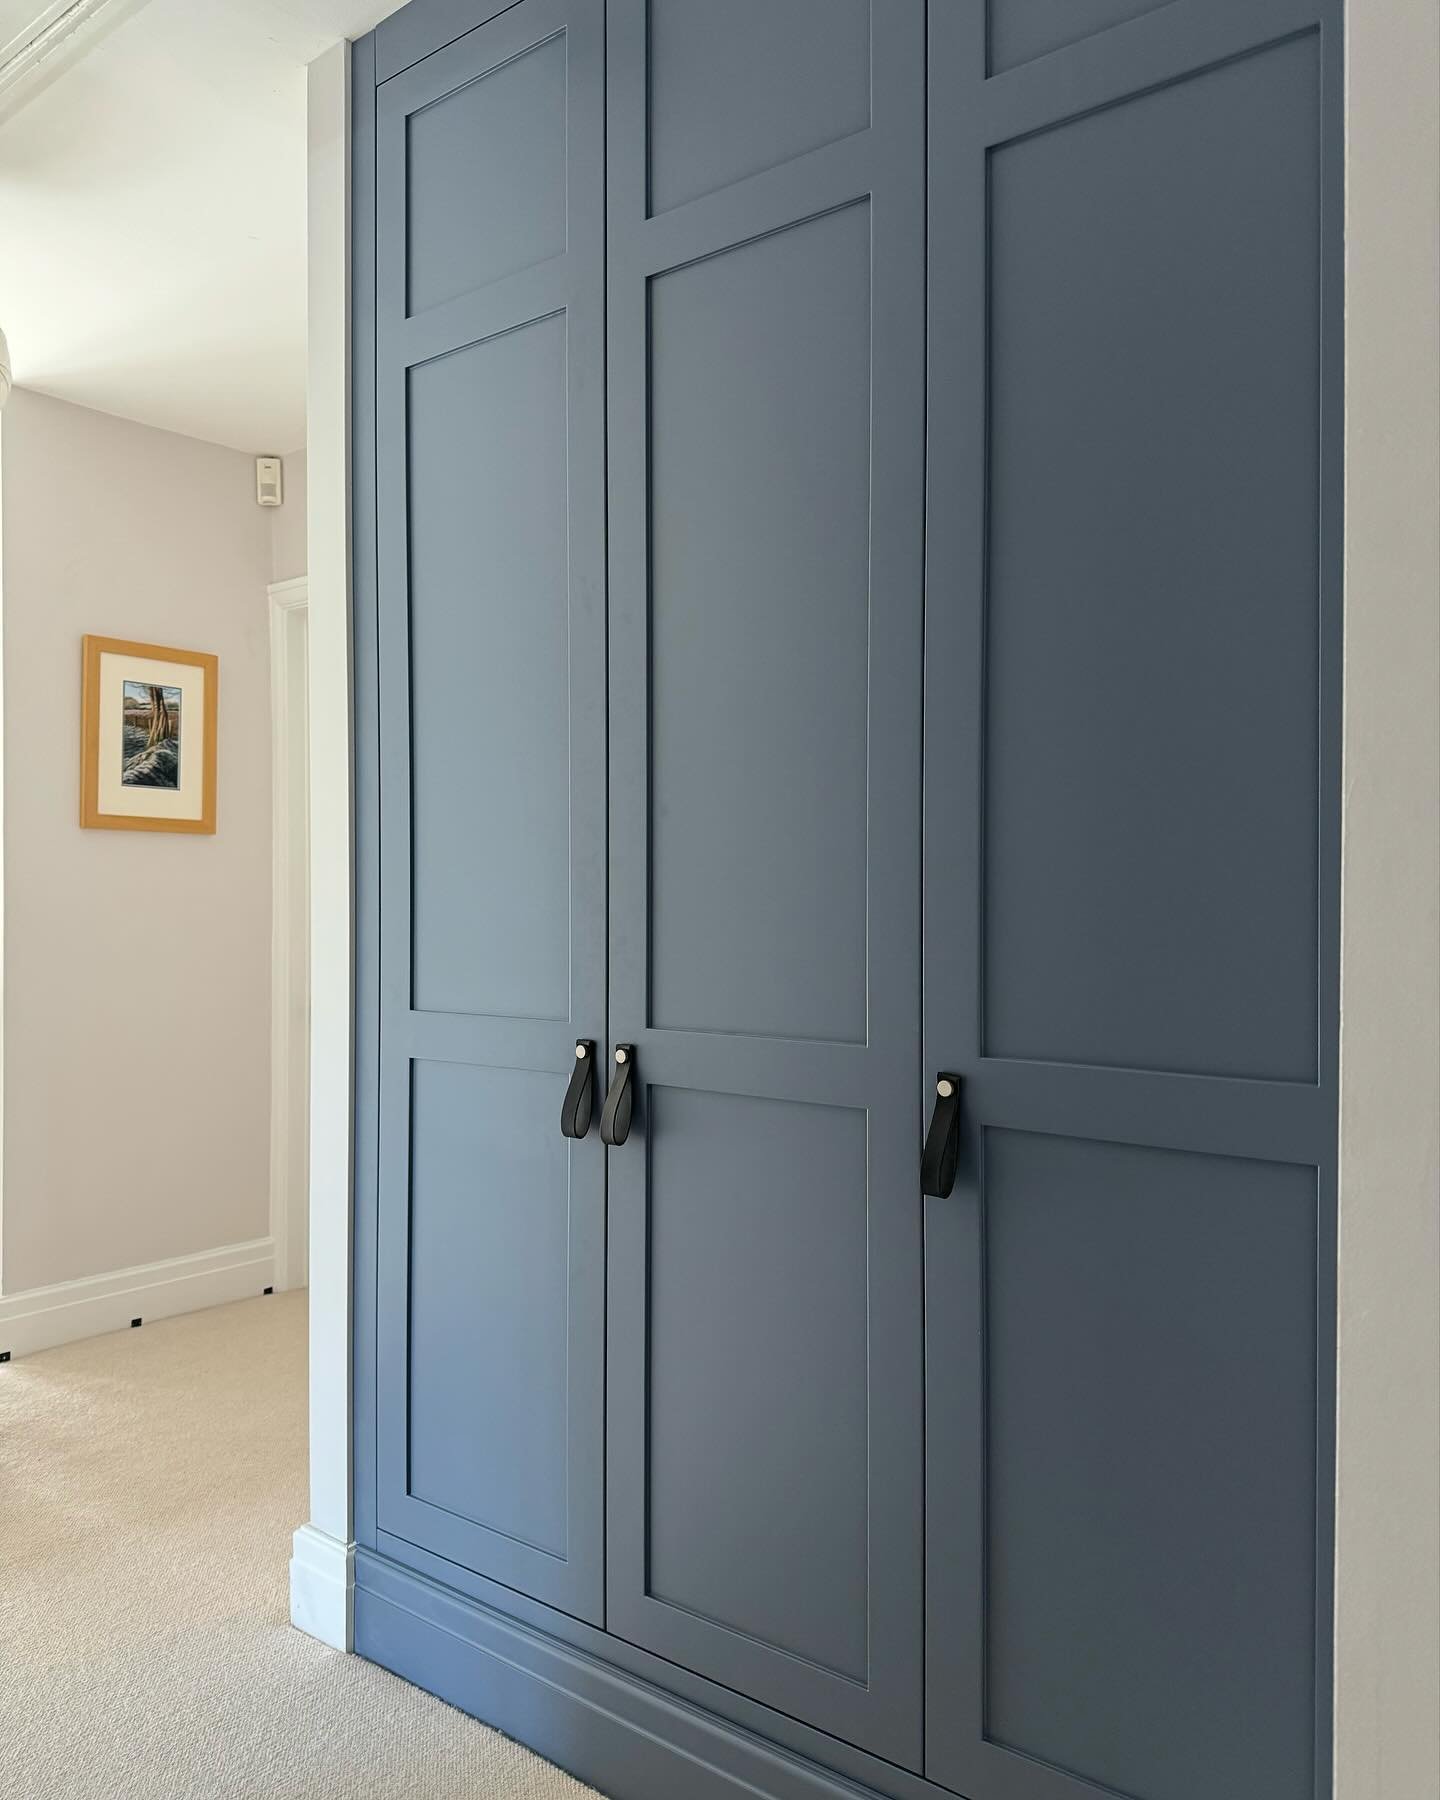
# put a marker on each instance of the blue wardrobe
(847, 628)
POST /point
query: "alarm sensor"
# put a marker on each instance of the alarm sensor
(269, 480)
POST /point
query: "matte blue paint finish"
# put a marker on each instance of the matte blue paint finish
(760, 627)
(765, 404)
(721, 1463)
(758, 1220)
(490, 1221)
(1152, 645)
(1132, 643)
(1150, 1494)
(461, 236)
(490, 1261)
(1021, 30)
(490, 675)
(722, 108)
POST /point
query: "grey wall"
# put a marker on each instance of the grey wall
(1387, 1694)
(137, 983)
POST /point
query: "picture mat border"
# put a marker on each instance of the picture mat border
(141, 800)
(93, 649)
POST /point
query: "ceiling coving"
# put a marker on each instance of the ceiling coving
(152, 206)
(38, 43)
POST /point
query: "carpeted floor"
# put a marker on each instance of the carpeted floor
(149, 1484)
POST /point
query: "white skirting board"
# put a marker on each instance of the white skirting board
(322, 1587)
(41, 1318)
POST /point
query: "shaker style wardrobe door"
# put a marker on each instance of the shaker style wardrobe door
(490, 386)
(766, 322)
(1132, 743)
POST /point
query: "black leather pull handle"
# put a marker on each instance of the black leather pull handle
(579, 1102)
(942, 1142)
(619, 1102)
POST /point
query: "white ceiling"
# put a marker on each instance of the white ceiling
(152, 216)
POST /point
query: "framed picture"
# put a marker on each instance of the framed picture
(147, 737)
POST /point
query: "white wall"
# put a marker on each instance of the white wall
(288, 557)
(137, 965)
(322, 1568)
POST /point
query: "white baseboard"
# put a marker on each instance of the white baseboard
(41, 1318)
(322, 1587)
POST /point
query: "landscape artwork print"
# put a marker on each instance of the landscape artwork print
(147, 736)
(150, 754)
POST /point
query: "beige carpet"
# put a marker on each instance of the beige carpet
(149, 1484)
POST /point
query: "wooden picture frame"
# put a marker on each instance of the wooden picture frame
(148, 718)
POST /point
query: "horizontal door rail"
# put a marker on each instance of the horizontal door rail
(1272, 1121)
(488, 312)
(820, 182)
(1158, 48)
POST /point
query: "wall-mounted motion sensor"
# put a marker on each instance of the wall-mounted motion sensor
(269, 480)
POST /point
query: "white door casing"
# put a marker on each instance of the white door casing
(290, 932)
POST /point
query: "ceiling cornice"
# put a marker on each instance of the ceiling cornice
(56, 38)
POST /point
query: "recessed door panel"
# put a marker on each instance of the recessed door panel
(485, 177)
(766, 471)
(759, 630)
(489, 676)
(1131, 904)
(490, 1315)
(737, 89)
(758, 1511)
(1150, 1387)
(491, 652)
(1152, 623)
